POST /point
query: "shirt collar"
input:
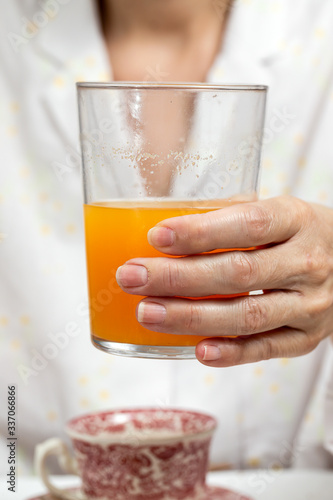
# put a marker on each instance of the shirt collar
(253, 42)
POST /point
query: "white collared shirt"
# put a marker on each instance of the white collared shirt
(276, 412)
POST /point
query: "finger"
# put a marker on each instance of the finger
(221, 317)
(213, 274)
(281, 343)
(244, 225)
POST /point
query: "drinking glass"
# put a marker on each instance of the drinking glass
(151, 152)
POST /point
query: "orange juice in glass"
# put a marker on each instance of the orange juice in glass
(152, 152)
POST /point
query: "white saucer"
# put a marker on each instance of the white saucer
(217, 493)
(212, 493)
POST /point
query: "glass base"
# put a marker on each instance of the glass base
(145, 351)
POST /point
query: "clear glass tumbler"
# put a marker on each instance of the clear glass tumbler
(151, 152)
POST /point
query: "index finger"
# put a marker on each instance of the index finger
(240, 226)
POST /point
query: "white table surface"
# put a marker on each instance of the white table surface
(260, 485)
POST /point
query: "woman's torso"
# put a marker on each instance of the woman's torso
(43, 286)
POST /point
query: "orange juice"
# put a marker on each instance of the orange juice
(115, 233)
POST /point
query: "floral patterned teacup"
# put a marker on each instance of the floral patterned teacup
(133, 454)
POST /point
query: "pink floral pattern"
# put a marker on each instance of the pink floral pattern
(144, 472)
(143, 454)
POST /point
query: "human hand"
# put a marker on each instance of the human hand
(296, 272)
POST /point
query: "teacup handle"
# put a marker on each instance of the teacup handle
(57, 447)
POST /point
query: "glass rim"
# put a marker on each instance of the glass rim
(172, 86)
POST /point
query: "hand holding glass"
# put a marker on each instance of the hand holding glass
(151, 152)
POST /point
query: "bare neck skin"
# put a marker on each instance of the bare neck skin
(163, 40)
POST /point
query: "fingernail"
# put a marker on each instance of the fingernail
(161, 236)
(132, 275)
(211, 353)
(151, 312)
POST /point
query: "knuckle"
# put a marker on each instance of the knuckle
(269, 349)
(310, 342)
(319, 305)
(254, 316)
(316, 264)
(257, 222)
(171, 276)
(236, 356)
(303, 210)
(244, 271)
(303, 213)
(193, 318)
